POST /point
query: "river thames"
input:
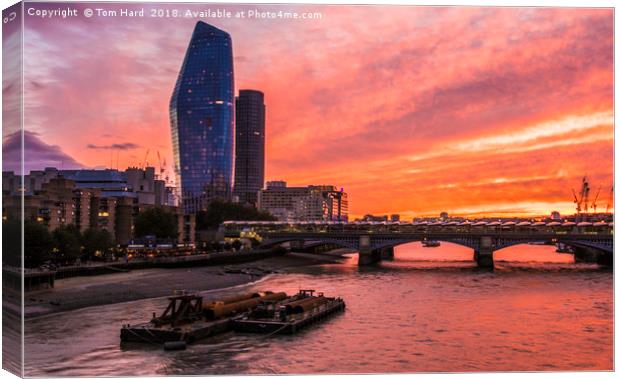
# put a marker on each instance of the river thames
(428, 310)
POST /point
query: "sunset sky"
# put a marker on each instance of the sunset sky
(413, 110)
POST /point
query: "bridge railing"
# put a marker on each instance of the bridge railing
(278, 227)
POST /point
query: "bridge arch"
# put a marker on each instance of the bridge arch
(601, 247)
(471, 244)
(510, 243)
(344, 243)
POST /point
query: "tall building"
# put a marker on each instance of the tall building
(249, 145)
(202, 119)
(311, 203)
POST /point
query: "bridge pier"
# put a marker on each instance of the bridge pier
(367, 256)
(484, 259)
(585, 255)
(297, 245)
(606, 259)
(484, 255)
(589, 255)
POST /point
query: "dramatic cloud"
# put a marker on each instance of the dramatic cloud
(37, 154)
(413, 110)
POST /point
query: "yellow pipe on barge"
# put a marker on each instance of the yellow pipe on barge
(223, 310)
(234, 299)
(304, 305)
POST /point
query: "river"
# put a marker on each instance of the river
(428, 310)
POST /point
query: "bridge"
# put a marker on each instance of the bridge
(375, 241)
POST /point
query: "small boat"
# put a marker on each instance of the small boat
(289, 316)
(562, 248)
(431, 243)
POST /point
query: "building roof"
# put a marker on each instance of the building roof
(106, 175)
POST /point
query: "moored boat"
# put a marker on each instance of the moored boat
(430, 243)
(289, 316)
(187, 318)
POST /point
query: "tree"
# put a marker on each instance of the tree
(237, 244)
(11, 243)
(220, 211)
(156, 222)
(95, 240)
(67, 240)
(37, 243)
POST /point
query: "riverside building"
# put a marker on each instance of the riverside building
(310, 203)
(101, 199)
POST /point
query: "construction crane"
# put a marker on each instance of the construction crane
(161, 170)
(611, 199)
(585, 193)
(582, 200)
(596, 198)
(162, 167)
(167, 179)
(576, 201)
(146, 156)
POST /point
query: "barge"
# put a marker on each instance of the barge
(290, 316)
(188, 319)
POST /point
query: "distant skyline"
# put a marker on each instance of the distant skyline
(413, 110)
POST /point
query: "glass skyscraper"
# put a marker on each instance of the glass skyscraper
(249, 145)
(202, 119)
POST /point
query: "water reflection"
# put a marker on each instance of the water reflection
(455, 253)
(404, 315)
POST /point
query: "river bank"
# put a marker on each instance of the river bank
(424, 313)
(81, 292)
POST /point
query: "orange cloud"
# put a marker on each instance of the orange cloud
(412, 110)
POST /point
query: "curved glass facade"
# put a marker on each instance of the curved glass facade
(202, 119)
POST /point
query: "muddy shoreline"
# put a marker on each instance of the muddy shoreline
(81, 292)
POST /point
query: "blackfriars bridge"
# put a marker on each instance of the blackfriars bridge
(375, 241)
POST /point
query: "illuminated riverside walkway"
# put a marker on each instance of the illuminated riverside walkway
(375, 241)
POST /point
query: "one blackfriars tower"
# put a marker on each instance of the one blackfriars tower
(202, 119)
(249, 145)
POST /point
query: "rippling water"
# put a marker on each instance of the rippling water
(428, 310)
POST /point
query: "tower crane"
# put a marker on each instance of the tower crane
(161, 169)
(596, 198)
(585, 192)
(146, 156)
(611, 199)
(576, 201)
(582, 200)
